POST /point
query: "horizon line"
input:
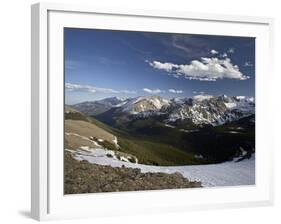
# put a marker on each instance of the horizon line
(170, 98)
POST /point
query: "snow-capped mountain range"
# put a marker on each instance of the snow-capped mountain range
(200, 109)
(214, 110)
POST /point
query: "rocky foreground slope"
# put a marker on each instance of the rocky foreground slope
(84, 177)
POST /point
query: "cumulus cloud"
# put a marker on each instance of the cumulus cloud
(205, 69)
(214, 51)
(166, 66)
(94, 89)
(175, 91)
(153, 91)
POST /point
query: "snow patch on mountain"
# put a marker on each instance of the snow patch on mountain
(214, 110)
(144, 104)
(230, 173)
(230, 105)
(202, 97)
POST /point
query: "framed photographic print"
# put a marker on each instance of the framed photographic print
(147, 111)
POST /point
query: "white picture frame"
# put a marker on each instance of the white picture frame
(48, 201)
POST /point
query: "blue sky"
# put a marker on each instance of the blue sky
(103, 63)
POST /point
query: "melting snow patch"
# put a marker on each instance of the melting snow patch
(189, 131)
(115, 141)
(230, 105)
(86, 148)
(198, 156)
(122, 158)
(223, 174)
(101, 156)
(169, 126)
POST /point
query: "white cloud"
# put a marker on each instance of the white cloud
(175, 91)
(157, 91)
(224, 55)
(231, 50)
(168, 67)
(214, 51)
(205, 69)
(93, 89)
(248, 64)
(153, 91)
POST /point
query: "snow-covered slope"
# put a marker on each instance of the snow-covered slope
(223, 174)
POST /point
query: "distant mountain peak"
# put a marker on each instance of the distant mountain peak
(144, 104)
(199, 109)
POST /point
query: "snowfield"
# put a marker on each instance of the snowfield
(224, 174)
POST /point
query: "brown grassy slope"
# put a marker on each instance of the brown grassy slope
(87, 130)
(79, 130)
(68, 109)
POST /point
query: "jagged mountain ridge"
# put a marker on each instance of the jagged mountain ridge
(214, 110)
(200, 109)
